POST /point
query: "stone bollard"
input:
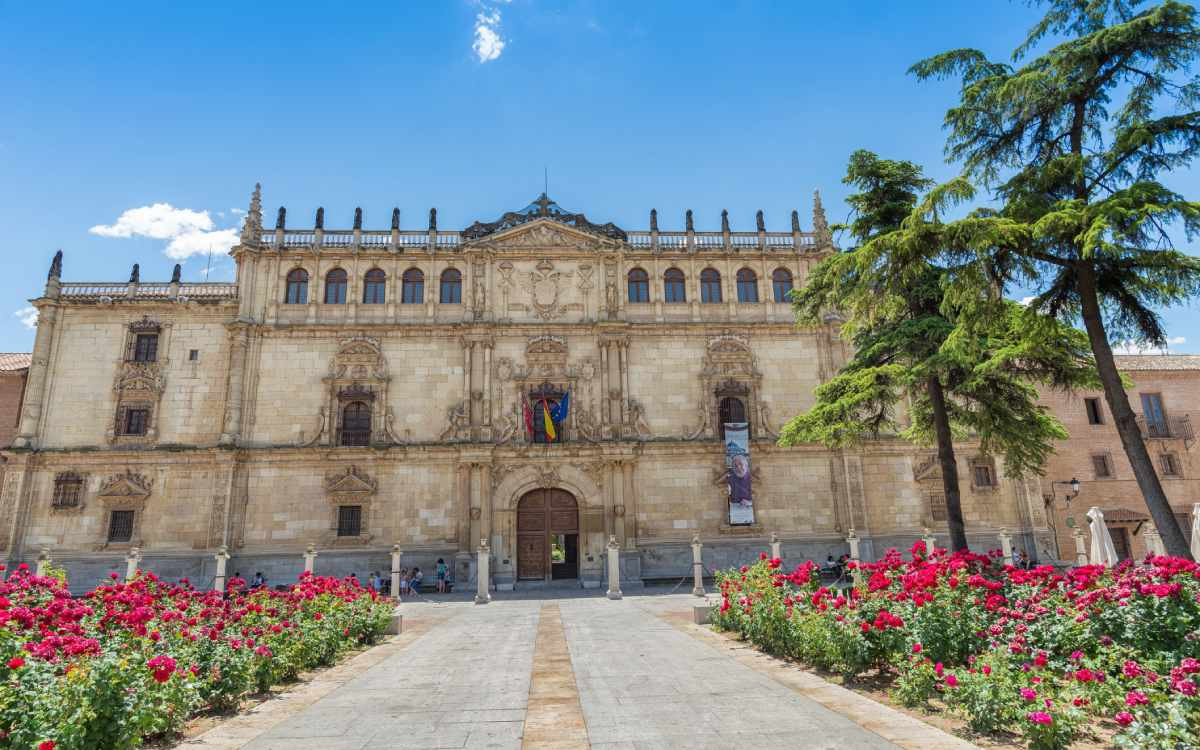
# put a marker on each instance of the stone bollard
(221, 557)
(1081, 557)
(929, 539)
(1154, 542)
(697, 567)
(396, 570)
(1006, 546)
(483, 576)
(852, 540)
(131, 563)
(310, 559)
(614, 568)
(775, 547)
(43, 561)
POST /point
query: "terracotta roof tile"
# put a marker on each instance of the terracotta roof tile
(1133, 362)
(10, 361)
(1124, 515)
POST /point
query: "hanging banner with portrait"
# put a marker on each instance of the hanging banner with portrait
(737, 473)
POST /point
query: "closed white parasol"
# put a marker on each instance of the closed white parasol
(1102, 550)
(1196, 531)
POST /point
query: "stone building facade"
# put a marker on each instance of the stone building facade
(355, 389)
(1165, 393)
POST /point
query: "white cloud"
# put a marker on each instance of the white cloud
(189, 232)
(28, 316)
(161, 221)
(1130, 347)
(1026, 300)
(237, 211)
(488, 44)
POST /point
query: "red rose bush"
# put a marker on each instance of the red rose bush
(132, 660)
(1046, 654)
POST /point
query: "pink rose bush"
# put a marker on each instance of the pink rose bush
(1047, 654)
(129, 661)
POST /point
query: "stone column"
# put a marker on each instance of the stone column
(1006, 546)
(396, 570)
(239, 343)
(487, 382)
(623, 350)
(614, 568)
(1081, 557)
(483, 577)
(43, 561)
(131, 563)
(468, 350)
(697, 567)
(605, 414)
(929, 539)
(310, 559)
(484, 484)
(469, 385)
(852, 540)
(36, 379)
(469, 525)
(775, 547)
(222, 557)
(629, 502)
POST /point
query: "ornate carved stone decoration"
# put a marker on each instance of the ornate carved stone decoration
(458, 422)
(543, 285)
(145, 325)
(594, 470)
(478, 290)
(506, 287)
(619, 511)
(637, 419)
(547, 476)
(543, 209)
(500, 472)
(359, 357)
(925, 466)
(358, 372)
(729, 369)
(475, 514)
(127, 489)
(611, 295)
(350, 486)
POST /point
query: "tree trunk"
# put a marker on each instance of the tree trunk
(1124, 418)
(949, 464)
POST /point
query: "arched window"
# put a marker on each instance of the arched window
(335, 287)
(356, 424)
(451, 292)
(412, 290)
(374, 287)
(674, 290)
(297, 287)
(747, 286)
(781, 284)
(730, 409)
(710, 286)
(639, 286)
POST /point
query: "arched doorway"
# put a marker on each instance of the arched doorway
(547, 536)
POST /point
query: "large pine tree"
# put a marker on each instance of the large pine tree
(892, 288)
(1100, 99)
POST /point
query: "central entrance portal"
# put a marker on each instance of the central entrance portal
(547, 536)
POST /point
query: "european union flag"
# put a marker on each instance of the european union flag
(560, 410)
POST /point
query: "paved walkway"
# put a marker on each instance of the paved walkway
(558, 673)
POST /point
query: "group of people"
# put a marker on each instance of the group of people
(411, 580)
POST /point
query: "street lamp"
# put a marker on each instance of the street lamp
(1068, 497)
(1073, 484)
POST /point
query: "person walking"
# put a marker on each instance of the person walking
(441, 576)
(415, 583)
(403, 582)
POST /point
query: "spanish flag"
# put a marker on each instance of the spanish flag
(549, 422)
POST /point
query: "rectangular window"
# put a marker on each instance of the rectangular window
(193, 355)
(1101, 467)
(1094, 414)
(136, 421)
(1169, 464)
(1155, 416)
(68, 490)
(349, 520)
(985, 476)
(120, 526)
(937, 506)
(145, 347)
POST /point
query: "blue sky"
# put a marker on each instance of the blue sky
(457, 104)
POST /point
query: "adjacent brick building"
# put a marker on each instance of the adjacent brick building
(1165, 392)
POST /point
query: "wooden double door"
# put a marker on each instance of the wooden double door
(547, 536)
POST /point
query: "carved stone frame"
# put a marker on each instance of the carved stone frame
(730, 369)
(139, 385)
(78, 507)
(357, 372)
(349, 486)
(127, 490)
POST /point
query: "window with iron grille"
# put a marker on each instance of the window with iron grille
(349, 520)
(68, 490)
(356, 424)
(1101, 468)
(374, 287)
(730, 409)
(1094, 414)
(937, 506)
(145, 347)
(984, 475)
(120, 526)
(1169, 463)
(136, 421)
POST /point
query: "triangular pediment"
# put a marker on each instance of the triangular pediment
(349, 482)
(544, 234)
(126, 485)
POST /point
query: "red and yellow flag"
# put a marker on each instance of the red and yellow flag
(550, 434)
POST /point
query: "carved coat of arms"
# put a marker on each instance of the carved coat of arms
(544, 287)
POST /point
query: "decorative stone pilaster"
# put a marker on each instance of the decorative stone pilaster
(222, 557)
(396, 570)
(697, 567)
(614, 568)
(239, 341)
(483, 577)
(1006, 546)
